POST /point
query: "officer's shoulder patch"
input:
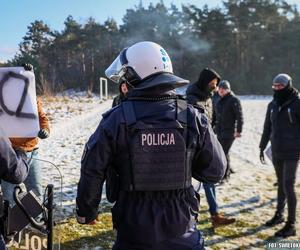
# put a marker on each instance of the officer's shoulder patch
(107, 113)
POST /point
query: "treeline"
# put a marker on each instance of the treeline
(247, 41)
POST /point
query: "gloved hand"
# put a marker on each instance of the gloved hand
(27, 66)
(262, 156)
(43, 133)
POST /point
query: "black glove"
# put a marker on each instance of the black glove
(262, 156)
(27, 66)
(43, 134)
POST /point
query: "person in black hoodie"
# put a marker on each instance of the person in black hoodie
(199, 94)
(281, 127)
(229, 120)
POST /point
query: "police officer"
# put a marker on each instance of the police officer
(282, 128)
(13, 169)
(155, 142)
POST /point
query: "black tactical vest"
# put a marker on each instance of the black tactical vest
(158, 152)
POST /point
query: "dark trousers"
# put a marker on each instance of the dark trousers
(226, 145)
(192, 240)
(286, 175)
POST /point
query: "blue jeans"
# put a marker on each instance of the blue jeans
(32, 182)
(210, 193)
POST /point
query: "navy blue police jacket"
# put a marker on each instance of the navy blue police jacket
(147, 215)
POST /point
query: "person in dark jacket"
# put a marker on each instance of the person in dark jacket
(155, 142)
(13, 169)
(199, 94)
(123, 89)
(229, 120)
(281, 127)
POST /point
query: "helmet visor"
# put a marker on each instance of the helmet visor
(116, 70)
(118, 67)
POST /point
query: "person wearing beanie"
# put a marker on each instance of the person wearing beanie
(281, 127)
(229, 120)
(199, 94)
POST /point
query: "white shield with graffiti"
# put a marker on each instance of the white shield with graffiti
(18, 106)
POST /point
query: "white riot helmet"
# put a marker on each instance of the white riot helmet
(139, 62)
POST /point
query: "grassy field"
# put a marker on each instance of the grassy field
(250, 198)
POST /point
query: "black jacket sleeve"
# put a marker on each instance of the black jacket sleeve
(95, 160)
(13, 167)
(209, 164)
(237, 108)
(267, 129)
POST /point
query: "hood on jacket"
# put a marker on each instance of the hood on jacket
(205, 78)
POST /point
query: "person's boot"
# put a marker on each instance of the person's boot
(218, 220)
(287, 231)
(277, 219)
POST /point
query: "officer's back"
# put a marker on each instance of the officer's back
(154, 142)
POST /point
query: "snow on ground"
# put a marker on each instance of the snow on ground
(248, 196)
(73, 120)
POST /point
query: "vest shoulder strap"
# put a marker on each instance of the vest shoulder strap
(182, 111)
(129, 113)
